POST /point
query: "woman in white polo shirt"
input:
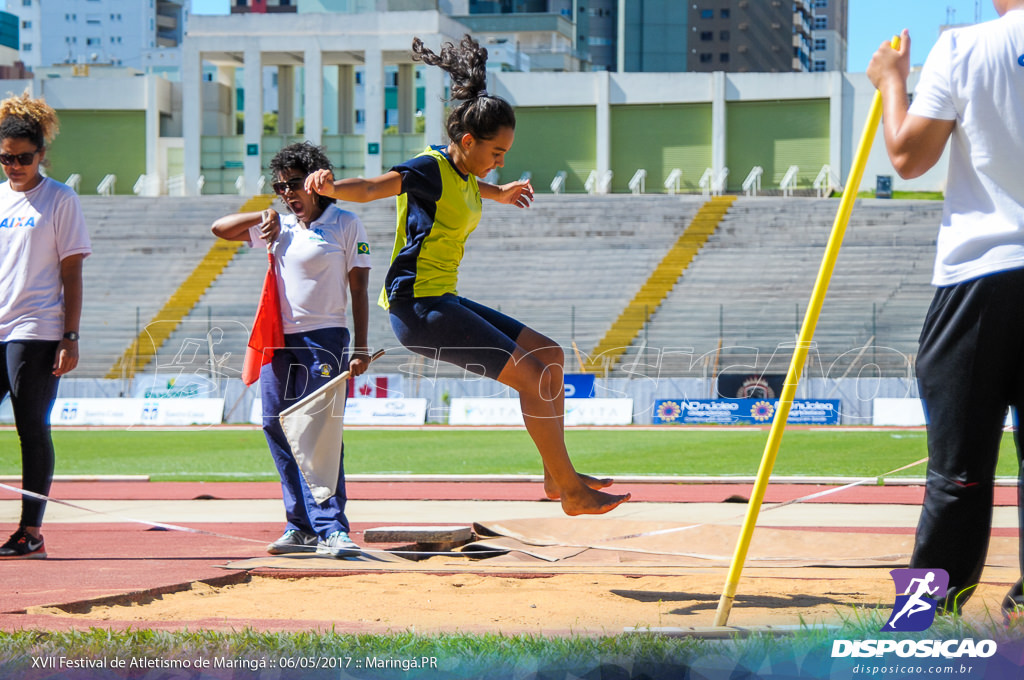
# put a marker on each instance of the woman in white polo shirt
(43, 240)
(322, 256)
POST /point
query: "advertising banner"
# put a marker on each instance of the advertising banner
(368, 411)
(579, 385)
(95, 411)
(385, 411)
(162, 386)
(508, 412)
(743, 411)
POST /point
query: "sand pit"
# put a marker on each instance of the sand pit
(589, 604)
(556, 576)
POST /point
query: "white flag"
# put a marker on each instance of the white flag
(314, 429)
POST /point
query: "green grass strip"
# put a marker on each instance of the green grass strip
(242, 455)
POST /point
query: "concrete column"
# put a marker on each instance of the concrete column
(286, 100)
(406, 98)
(620, 34)
(153, 165)
(191, 115)
(253, 132)
(835, 126)
(314, 100)
(433, 106)
(719, 139)
(346, 99)
(226, 77)
(373, 88)
(603, 113)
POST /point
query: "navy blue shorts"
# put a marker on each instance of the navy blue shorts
(456, 330)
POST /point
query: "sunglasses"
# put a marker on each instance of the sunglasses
(294, 184)
(22, 158)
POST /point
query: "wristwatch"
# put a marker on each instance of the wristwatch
(71, 335)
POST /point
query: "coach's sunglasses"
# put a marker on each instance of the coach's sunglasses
(22, 158)
(295, 184)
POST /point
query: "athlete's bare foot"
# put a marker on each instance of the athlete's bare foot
(591, 502)
(552, 491)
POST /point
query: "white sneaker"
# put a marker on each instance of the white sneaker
(293, 541)
(337, 544)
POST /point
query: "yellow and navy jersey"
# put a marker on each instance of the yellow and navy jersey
(438, 209)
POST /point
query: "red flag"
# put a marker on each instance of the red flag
(267, 329)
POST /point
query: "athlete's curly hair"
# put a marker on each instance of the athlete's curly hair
(478, 113)
(23, 117)
(306, 158)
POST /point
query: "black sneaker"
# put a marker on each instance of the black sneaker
(23, 546)
(293, 541)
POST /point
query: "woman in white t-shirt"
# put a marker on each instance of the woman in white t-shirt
(970, 365)
(322, 255)
(43, 240)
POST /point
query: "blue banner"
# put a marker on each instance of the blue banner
(579, 385)
(743, 411)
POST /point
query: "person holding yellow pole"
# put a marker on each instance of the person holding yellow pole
(971, 362)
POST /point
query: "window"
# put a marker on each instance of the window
(820, 44)
(707, 14)
(26, 3)
(705, 36)
(26, 47)
(819, 66)
(723, 36)
(821, 3)
(26, 24)
(93, 41)
(723, 58)
(724, 14)
(820, 23)
(360, 116)
(705, 57)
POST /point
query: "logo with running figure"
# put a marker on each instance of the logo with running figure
(917, 592)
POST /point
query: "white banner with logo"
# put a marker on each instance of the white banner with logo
(508, 412)
(906, 413)
(385, 411)
(368, 411)
(137, 411)
(170, 386)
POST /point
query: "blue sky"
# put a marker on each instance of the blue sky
(871, 22)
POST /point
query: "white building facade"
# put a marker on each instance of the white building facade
(96, 32)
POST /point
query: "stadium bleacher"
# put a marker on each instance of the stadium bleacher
(566, 266)
(143, 248)
(750, 287)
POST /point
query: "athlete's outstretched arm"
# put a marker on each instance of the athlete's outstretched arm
(518, 193)
(354, 189)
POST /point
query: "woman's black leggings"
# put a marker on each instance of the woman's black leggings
(26, 374)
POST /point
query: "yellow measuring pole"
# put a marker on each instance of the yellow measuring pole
(828, 263)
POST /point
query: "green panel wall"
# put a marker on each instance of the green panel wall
(659, 138)
(550, 139)
(98, 143)
(776, 135)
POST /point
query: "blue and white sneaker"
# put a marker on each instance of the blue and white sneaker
(293, 541)
(338, 544)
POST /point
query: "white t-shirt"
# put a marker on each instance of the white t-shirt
(975, 76)
(313, 266)
(38, 229)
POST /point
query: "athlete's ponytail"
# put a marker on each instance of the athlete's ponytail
(478, 113)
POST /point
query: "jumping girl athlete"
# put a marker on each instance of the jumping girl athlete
(439, 205)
